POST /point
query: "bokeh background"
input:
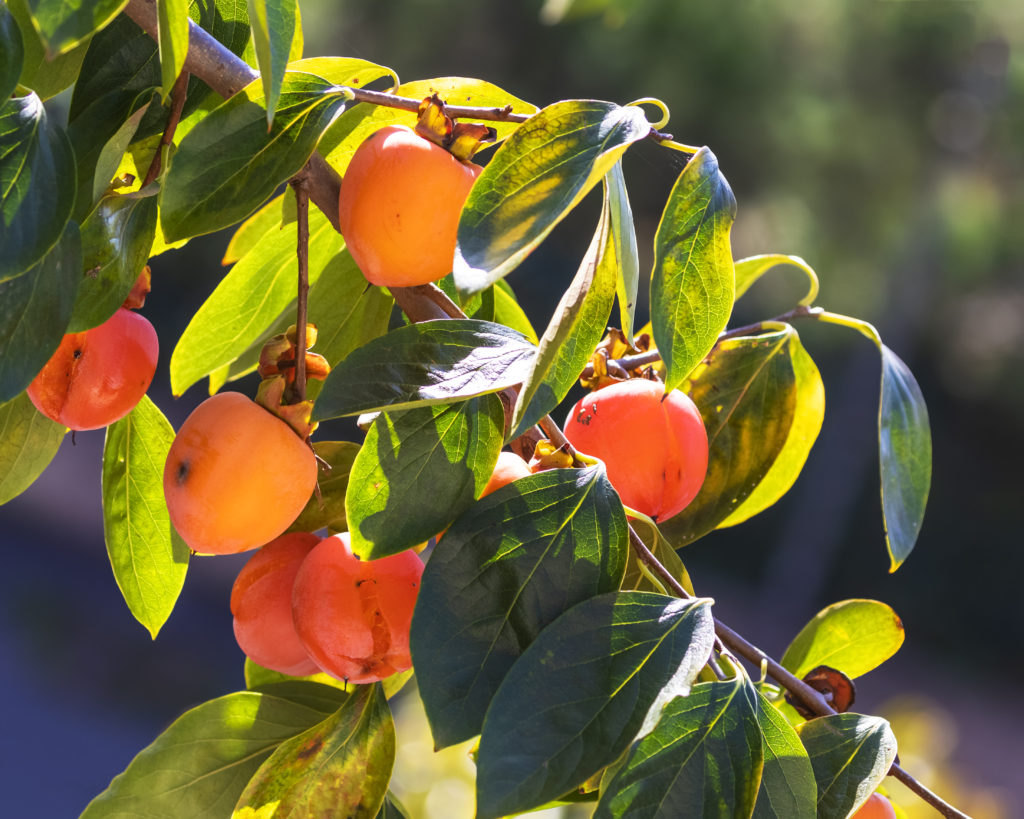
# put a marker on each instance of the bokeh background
(883, 141)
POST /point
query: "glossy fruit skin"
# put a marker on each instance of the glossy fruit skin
(510, 467)
(97, 376)
(353, 616)
(236, 476)
(399, 207)
(655, 451)
(877, 807)
(261, 604)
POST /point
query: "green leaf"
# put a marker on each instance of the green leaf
(116, 240)
(507, 568)
(787, 779)
(199, 766)
(109, 159)
(266, 220)
(37, 184)
(258, 678)
(636, 578)
(34, 312)
(703, 759)
(433, 362)
(28, 442)
(905, 456)
(853, 636)
(417, 470)
(808, 415)
(328, 511)
(229, 163)
(393, 808)
(851, 754)
(248, 300)
(172, 40)
(746, 393)
(12, 52)
(339, 767)
(273, 29)
(534, 179)
(508, 312)
(578, 324)
(692, 283)
(752, 268)
(578, 695)
(47, 77)
(63, 25)
(627, 261)
(148, 557)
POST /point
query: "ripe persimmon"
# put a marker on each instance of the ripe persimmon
(399, 207)
(653, 444)
(353, 616)
(877, 807)
(261, 605)
(510, 467)
(98, 376)
(236, 476)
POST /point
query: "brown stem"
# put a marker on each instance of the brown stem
(178, 94)
(302, 251)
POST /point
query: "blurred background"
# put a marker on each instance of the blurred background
(884, 143)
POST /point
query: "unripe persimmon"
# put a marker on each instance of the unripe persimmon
(510, 467)
(877, 807)
(653, 444)
(353, 616)
(261, 604)
(98, 376)
(399, 207)
(236, 476)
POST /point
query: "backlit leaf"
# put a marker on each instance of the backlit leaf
(273, 29)
(514, 562)
(266, 220)
(627, 262)
(417, 470)
(12, 52)
(692, 283)
(853, 636)
(578, 695)
(752, 268)
(427, 363)
(64, 25)
(787, 779)
(329, 509)
(46, 77)
(172, 40)
(534, 179)
(148, 557)
(28, 442)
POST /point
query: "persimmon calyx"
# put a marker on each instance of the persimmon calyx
(278, 356)
(548, 456)
(604, 367)
(137, 297)
(461, 139)
(271, 396)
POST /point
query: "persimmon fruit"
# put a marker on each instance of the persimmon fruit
(399, 207)
(653, 444)
(261, 605)
(353, 616)
(510, 467)
(236, 476)
(877, 807)
(97, 376)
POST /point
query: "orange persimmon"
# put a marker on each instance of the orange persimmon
(877, 807)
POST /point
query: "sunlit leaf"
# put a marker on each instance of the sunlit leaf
(787, 779)
(692, 283)
(578, 695)
(148, 557)
(46, 77)
(626, 254)
(417, 470)
(12, 52)
(63, 25)
(28, 442)
(752, 268)
(273, 29)
(534, 179)
(508, 567)
(172, 26)
(266, 220)
(328, 510)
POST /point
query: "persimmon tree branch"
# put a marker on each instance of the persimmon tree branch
(178, 94)
(302, 251)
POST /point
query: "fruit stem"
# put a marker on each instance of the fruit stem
(178, 93)
(299, 183)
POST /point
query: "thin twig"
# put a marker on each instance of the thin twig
(298, 183)
(178, 94)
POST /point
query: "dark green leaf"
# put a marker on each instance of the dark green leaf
(328, 511)
(703, 759)
(46, 77)
(340, 767)
(417, 470)
(12, 52)
(854, 636)
(37, 184)
(229, 163)
(34, 312)
(248, 300)
(746, 393)
(627, 260)
(534, 179)
(432, 362)
(578, 324)
(64, 25)
(273, 29)
(851, 754)
(808, 415)
(28, 442)
(578, 695)
(116, 240)
(507, 568)
(905, 455)
(172, 40)
(148, 557)
(692, 283)
(752, 268)
(787, 780)
(199, 766)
